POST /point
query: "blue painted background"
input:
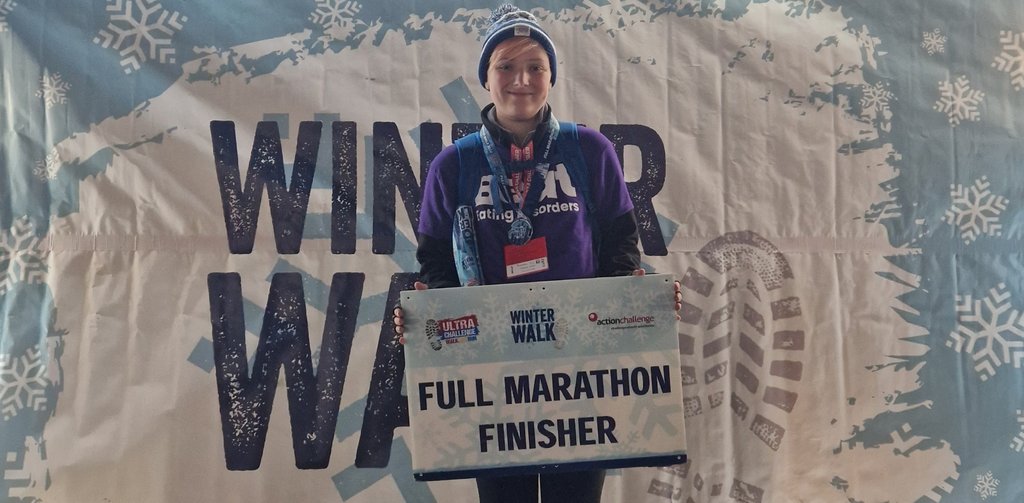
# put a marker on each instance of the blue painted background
(979, 418)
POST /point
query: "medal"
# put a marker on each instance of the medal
(521, 230)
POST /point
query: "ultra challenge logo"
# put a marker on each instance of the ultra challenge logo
(623, 322)
(451, 331)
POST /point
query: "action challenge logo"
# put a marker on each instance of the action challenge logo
(622, 322)
(452, 331)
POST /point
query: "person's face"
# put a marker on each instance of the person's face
(518, 79)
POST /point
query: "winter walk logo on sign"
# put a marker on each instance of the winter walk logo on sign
(533, 325)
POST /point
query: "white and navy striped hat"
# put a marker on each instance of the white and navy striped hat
(508, 21)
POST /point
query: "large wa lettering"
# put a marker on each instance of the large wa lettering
(245, 397)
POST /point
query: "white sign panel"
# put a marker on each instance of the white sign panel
(540, 377)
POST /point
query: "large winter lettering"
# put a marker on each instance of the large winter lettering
(246, 402)
(266, 167)
(392, 169)
(386, 407)
(652, 178)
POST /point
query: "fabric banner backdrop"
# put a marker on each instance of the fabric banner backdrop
(835, 183)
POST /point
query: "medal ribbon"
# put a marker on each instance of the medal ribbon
(500, 170)
(521, 185)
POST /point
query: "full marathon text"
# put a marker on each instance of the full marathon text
(547, 387)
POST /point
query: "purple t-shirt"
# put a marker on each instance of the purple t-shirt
(560, 216)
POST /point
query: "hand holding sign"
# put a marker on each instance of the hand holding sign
(400, 315)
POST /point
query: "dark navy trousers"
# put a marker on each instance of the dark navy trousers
(568, 487)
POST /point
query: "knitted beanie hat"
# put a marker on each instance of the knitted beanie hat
(508, 21)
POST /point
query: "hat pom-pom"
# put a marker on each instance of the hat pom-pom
(508, 11)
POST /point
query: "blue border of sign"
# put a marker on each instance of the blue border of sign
(674, 459)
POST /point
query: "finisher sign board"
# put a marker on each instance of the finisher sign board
(543, 377)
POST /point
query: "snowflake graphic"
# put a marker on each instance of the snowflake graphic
(986, 485)
(6, 6)
(336, 17)
(654, 415)
(594, 338)
(975, 210)
(22, 383)
(990, 330)
(26, 474)
(21, 256)
(876, 97)
(1011, 60)
(958, 100)
(53, 90)
(140, 30)
(933, 41)
(47, 169)
(1018, 442)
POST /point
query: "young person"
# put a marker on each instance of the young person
(540, 200)
(581, 228)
